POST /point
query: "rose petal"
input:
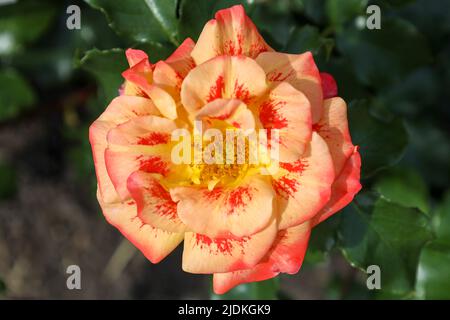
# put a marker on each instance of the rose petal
(120, 110)
(300, 71)
(286, 255)
(329, 86)
(154, 204)
(287, 110)
(305, 186)
(344, 189)
(222, 77)
(230, 33)
(154, 243)
(205, 255)
(333, 128)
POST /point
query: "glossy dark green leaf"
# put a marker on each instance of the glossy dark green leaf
(405, 187)
(375, 231)
(381, 143)
(441, 220)
(308, 38)
(107, 67)
(16, 95)
(263, 290)
(23, 22)
(141, 20)
(433, 275)
(385, 56)
(343, 11)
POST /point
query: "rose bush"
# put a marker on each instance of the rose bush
(237, 224)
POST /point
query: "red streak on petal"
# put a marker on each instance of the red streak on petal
(279, 76)
(215, 92)
(285, 187)
(241, 92)
(223, 245)
(297, 166)
(154, 138)
(165, 205)
(213, 194)
(238, 198)
(153, 165)
(269, 115)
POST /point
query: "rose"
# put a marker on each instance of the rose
(236, 223)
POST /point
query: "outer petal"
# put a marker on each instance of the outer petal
(233, 111)
(223, 77)
(329, 86)
(139, 144)
(344, 189)
(205, 255)
(181, 60)
(289, 111)
(333, 128)
(230, 33)
(223, 213)
(305, 186)
(300, 71)
(154, 243)
(135, 56)
(286, 255)
(140, 81)
(169, 74)
(120, 110)
(154, 204)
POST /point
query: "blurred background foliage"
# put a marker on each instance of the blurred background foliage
(396, 81)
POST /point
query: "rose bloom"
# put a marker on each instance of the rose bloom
(236, 223)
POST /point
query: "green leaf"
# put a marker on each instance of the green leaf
(385, 56)
(141, 20)
(195, 13)
(405, 187)
(263, 290)
(16, 95)
(342, 11)
(433, 275)
(23, 22)
(441, 220)
(308, 38)
(382, 143)
(375, 231)
(107, 67)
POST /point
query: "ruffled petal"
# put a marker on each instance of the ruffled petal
(232, 111)
(333, 128)
(287, 110)
(226, 77)
(230, 33)
(286, 255)
(304, 187)
(224, 213)
(205, 255)
(154, 204)
(135, 56)
(344, 189)
(154, 243)
(139, 81)
(300, 71)
(329, 86)
(120, 110)
(139, 144)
